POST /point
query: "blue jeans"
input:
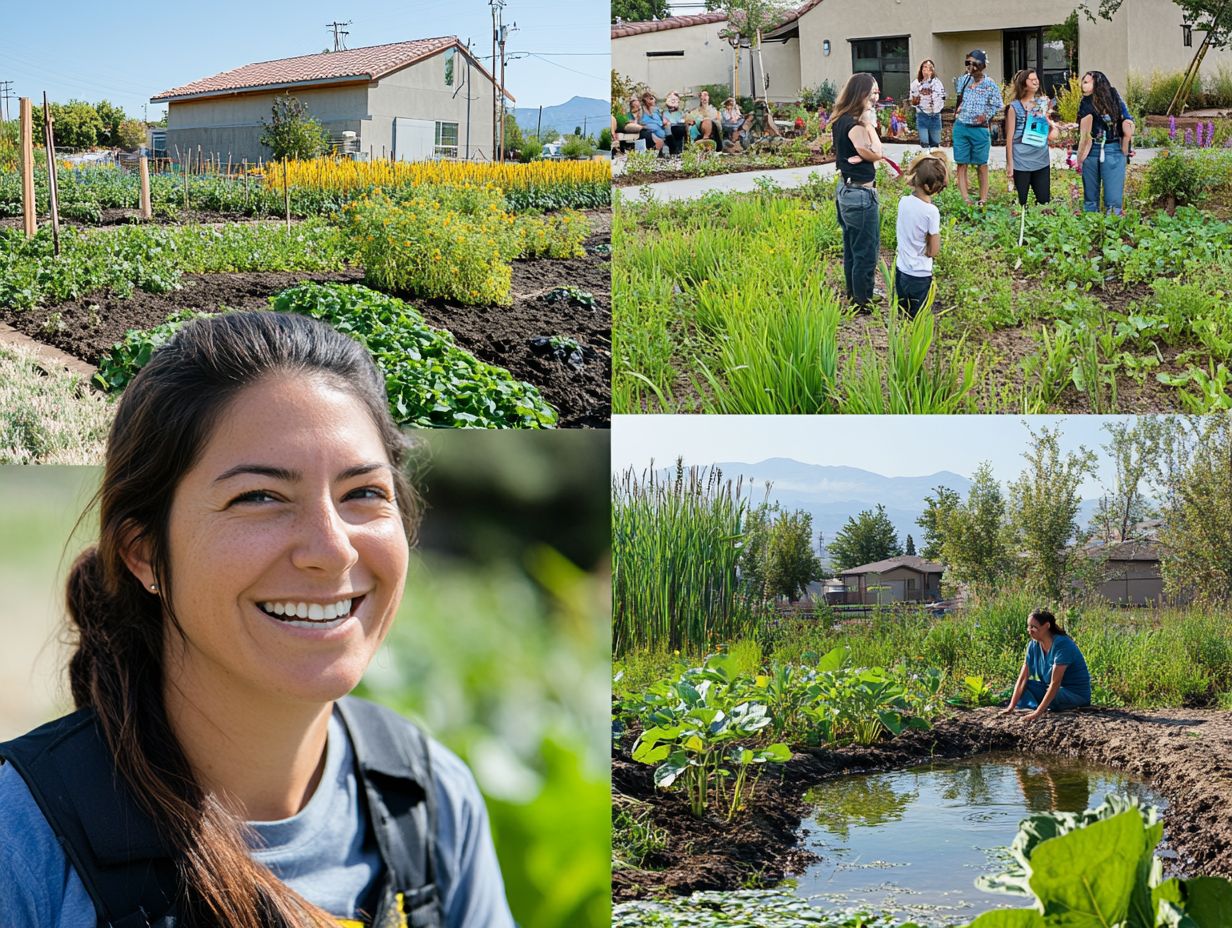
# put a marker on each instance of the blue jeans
(1110, 174)
(929, 127)
(858, 218)
(1035, 690)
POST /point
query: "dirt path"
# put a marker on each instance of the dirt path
(1184, 754)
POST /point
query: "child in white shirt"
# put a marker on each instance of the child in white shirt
(919, 232)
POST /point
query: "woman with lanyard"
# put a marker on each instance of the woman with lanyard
(1103, 118)
(928, 98)
(857, 149)
(1029, 129)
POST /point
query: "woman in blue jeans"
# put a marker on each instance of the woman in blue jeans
(1107, 133)
(857, 149)
(928, 98)
(1052, 660)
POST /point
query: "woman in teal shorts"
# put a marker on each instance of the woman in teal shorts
(1052, 659)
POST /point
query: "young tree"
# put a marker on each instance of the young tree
(864, 539)
(292, 133)
(909, 547)
(111, 117)
(1134, 449)
(77, 124)
(974, 546)
(791, 563)
(1196, 540)
(754, 547)
(1044, 503)
(575, 146)
(746, 21)
(132, 134)
(937, 508)
(639, 11)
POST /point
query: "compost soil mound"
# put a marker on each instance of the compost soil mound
(1184, 754)
(500, 335)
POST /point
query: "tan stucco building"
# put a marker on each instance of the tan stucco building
(413, 101)
(832, 39)
(904, 579)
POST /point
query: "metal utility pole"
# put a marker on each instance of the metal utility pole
(340, 34)
(504, 34)
(497, 6)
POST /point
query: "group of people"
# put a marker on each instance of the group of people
(1106, 134)
(665, 129)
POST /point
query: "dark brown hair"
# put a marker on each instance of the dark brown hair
(852, 99)
(1044, 617)
(1019, 83)
(164, 420)
(1104, 98)
(928, 174)
(919, 73)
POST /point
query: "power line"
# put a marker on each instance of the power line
(340, 34)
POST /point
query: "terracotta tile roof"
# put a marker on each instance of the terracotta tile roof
(672, 22)
(699, 19)
(369, 64)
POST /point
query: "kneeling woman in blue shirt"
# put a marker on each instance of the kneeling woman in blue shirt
(1052, 659)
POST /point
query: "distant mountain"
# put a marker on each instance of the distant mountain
(834, 494)
(587, 112)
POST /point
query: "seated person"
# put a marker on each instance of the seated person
(704, 122)
(652, 120)
(732, 122)
(631, 122)
(1052, 659)
(673, 120)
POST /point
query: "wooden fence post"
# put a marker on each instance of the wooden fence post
(52, 192)
(143, 168)
(27, 168)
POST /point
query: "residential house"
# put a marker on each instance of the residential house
(829, 40)
(908, 578)
(412, 101)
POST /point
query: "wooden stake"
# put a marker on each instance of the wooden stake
(29, 221)
(143, 168)
(52, 197)
(286, 193)
(245, 183)
(187, 166)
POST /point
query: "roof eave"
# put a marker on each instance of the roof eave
(264, 88)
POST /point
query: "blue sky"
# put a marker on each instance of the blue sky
(128, 52)
(894, 446)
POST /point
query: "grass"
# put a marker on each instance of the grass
(731, 304)
(48, 418)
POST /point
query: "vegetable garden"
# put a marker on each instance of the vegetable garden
(732, 303)
(721, 728)
(482, 289)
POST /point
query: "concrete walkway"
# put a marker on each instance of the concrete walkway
(746, 181)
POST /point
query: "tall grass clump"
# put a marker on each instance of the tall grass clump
(676, 542)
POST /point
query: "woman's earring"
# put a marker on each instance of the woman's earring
(153, 587)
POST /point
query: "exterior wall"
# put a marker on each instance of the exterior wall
(1155, 41)
(707, 60)
(927, 586)
(232, 126)
(420, 92)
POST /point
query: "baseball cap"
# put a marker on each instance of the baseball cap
(979, 56)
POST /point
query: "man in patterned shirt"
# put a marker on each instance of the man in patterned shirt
(979, 100)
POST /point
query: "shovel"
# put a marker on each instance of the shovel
(1022, 226)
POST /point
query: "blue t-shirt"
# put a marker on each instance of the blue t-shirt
(1077, 678)
(321, 852)
(654, 122)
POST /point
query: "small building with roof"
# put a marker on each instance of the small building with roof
(904, 579)
(411, 101)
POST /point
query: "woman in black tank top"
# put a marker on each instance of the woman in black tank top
(855, 195)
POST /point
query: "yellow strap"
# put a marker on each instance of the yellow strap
(351, 923)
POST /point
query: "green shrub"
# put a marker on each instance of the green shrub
(420, 246)
(824, 94)
(552, 235)
(1068, 98)
(1218, 87)
(1174, 175)
(1160, 88)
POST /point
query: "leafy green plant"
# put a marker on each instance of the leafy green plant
(118, 365)
(1098, 868)
(975, 692)
(552, 235)
(430, 380)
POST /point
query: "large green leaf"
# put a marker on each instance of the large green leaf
(1084, 879)
(1009, 918)
(1208, 901)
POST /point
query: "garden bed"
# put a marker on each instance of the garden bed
(1184, 754)
(717, 164)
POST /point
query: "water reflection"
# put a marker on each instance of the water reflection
(912, 842)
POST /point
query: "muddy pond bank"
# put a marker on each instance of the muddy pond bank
(1183, 754)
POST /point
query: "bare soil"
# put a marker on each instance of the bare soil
(500, 335)
(1184, 754)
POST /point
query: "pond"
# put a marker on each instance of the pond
(911, 842)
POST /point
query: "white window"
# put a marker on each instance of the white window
(446, 140)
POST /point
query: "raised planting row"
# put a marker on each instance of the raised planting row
(733, 304)
(706, 728)
(316, 187)
(431, 382)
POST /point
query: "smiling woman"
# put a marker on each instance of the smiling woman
(252, 552)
